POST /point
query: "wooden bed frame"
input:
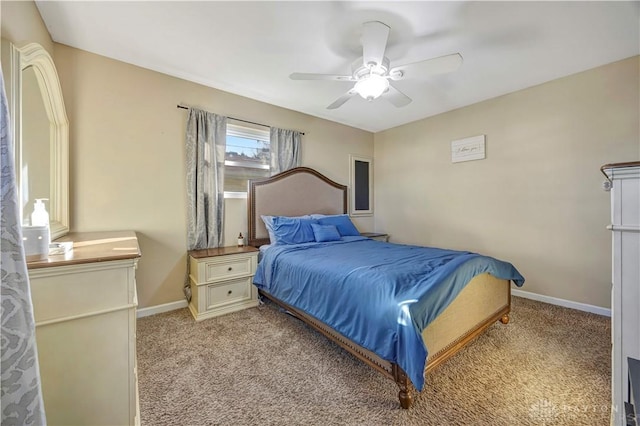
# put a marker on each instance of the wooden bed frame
(301, 191)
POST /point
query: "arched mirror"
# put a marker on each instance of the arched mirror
(41, 134)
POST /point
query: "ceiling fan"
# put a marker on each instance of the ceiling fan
(372, 73)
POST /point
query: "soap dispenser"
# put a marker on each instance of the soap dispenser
(37, 237)
(40, 218)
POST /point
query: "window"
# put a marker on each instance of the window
(247, 156)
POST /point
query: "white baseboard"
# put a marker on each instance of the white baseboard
(158, 309)
(562, 302)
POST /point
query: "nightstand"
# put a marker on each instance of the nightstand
(376, 236)
(221, 281)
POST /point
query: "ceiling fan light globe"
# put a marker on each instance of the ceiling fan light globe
(371, 87)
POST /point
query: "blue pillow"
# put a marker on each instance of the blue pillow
(289, 230)
(268, 223)
(345, 227)
(324, 233)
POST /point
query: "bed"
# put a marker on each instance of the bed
(411, 337)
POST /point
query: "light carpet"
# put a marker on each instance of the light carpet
(549, 366)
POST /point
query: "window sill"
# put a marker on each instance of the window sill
(228, 194)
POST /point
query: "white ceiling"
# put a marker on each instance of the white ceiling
(250, 48)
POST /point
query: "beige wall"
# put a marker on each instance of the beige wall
(20, 23)
(537, 198)
(127, 157)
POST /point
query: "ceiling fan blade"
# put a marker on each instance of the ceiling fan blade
(341, 100)
(396, 97)
(304, 76)
(374, 42)
(440, 65)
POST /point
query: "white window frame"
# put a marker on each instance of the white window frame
(247, 133)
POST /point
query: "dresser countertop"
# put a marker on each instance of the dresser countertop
(621, 165)
(89, 247)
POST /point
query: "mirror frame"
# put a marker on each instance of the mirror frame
(34, 55)
(358, 183)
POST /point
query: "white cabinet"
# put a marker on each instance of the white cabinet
(85, 312)
(222, 280)
(625, 295)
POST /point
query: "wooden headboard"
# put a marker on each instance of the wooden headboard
(294, 192)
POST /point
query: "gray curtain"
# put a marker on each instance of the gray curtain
(206, 142)
(285, 149)
(21, 392)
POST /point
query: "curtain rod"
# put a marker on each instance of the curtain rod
(239, 119)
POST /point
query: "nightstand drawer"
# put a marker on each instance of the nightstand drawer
(227, 268)
(228, 292)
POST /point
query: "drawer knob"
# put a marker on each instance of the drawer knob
(229, 292)
(230, 268)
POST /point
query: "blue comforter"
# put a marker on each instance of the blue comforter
(380, 295)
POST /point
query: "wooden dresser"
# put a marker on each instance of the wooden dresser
(84, 306)
(625, 295)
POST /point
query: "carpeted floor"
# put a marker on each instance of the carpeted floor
(548, 366)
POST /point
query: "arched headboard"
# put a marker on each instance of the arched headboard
(294, 192)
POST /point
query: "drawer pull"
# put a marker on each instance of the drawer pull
(230, 292)
(230, 268)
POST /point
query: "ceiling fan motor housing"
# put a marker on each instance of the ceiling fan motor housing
(360, 70)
